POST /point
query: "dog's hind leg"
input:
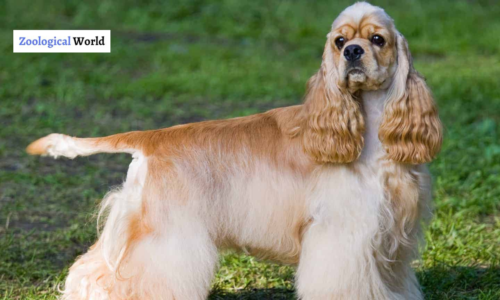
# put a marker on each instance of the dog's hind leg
(177, 257)
(175, 264)
(89, 277)
(94, 274)
(155, 245)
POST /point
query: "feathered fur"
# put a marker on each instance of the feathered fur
(335, 185)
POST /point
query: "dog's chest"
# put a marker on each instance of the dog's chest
(364, 189)
(373, 106)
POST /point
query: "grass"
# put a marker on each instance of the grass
(191, 60)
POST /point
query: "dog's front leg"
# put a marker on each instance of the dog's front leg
(338, 260)
(338, 265)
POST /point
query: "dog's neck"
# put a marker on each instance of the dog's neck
(373, 105)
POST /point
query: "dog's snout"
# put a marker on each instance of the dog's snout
(353, 52)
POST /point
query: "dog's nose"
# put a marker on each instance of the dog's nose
(353, 52)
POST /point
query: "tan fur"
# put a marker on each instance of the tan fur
(334, 185)
(332, 130)
(411, 130)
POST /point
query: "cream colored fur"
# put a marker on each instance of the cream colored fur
(255, 210)
(352, 228)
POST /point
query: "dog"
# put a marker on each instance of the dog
(337, 185)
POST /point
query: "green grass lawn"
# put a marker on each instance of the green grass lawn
(185, 61)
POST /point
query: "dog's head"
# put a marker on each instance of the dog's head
(363, 45)
(364, 51)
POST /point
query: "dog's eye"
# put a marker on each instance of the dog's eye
(339, 42)
(378, 40)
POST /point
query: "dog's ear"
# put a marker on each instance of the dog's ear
(410, 131)
(332, 124)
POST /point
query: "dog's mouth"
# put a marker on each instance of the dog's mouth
(356, 75)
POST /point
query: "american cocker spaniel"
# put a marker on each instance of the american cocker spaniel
(337, 185)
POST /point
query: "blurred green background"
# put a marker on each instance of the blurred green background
(184, 61)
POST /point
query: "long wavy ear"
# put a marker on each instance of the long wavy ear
(332, 126)
(410, 130)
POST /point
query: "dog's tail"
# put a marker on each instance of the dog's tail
(57, 144)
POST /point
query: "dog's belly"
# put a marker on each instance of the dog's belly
(263, 214)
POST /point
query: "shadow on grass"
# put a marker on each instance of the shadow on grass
(254, 294)
(444, 282)
(438, 283)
